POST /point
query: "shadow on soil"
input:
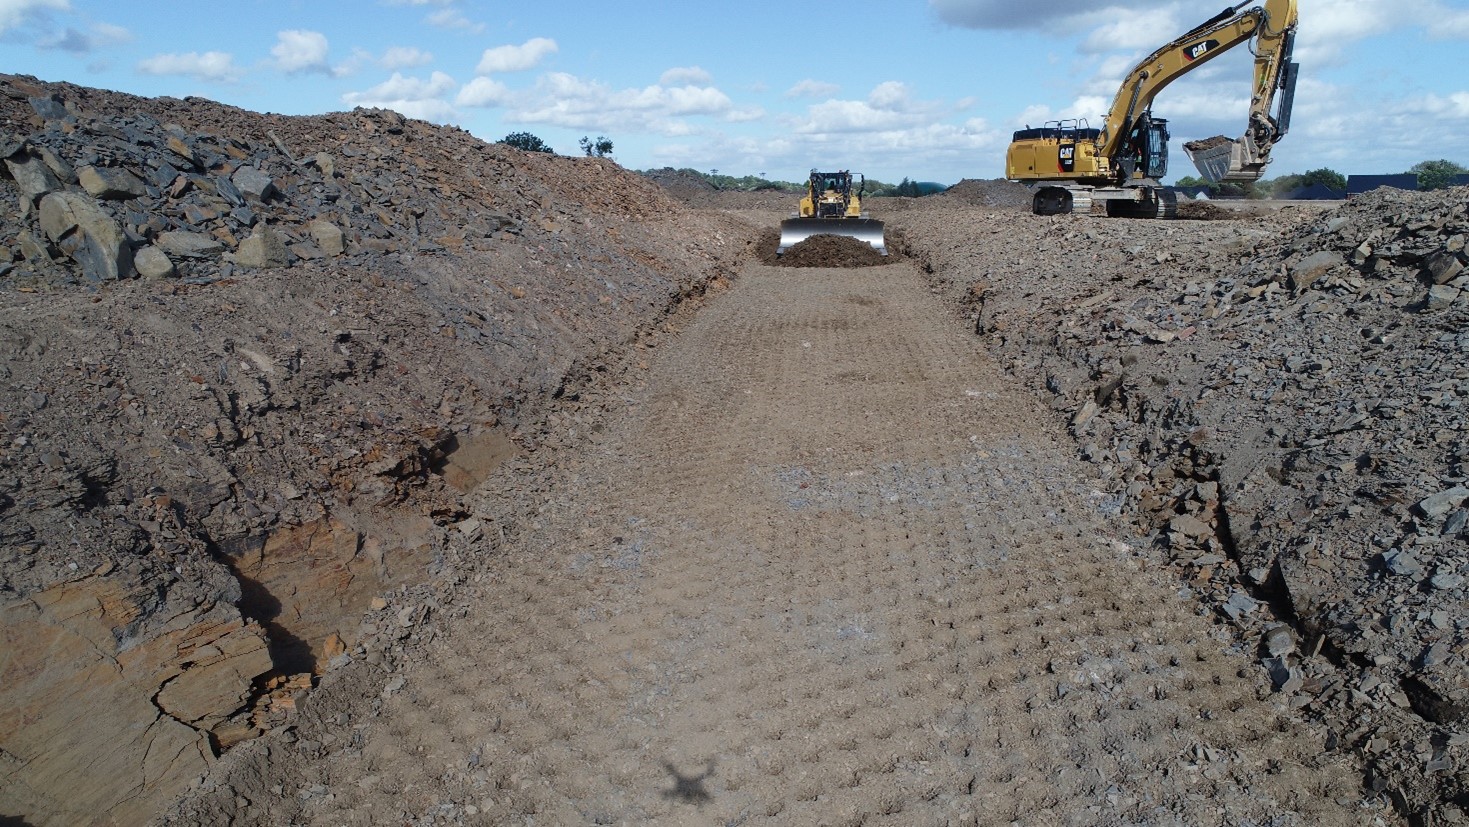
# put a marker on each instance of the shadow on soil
(689, 788)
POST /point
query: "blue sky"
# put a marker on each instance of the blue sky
(923, 89)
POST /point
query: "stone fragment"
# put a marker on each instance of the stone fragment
(32, 177)
(1313, 267)
(1440, 297)
(253, 183)
(328, 237)
(1446, 581)
(1402, 563)
(1279, 641)
(152, 263)
(229, 192)
(33, 249)
(1238, 606)
(50, 109)
(55, 163)
(1444, 267)
(1284, 677)
(1454, 525)
(87, 234)
(264, 249)
(1438, 505)
(182, 150)
(110, 183)
(190, 245)
(1191, 527)
(217, 680)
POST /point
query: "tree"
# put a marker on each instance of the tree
(600, 148)
(1436, 175)
(907, 189)
(1329, 178)
(527, 142)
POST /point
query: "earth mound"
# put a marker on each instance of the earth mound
(825, 250)
(254, 362)
(994, 192)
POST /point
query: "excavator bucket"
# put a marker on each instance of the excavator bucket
(795, 230)
(1220, 159)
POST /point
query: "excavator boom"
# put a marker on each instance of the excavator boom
(1272, 28)
(1126, 158)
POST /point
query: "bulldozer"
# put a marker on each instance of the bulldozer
(832, 206)
(1070, 164)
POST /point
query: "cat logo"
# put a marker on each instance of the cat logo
(1068, 158)
(1198, 50)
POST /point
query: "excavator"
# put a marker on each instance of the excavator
(1069, 165)
(832, 206)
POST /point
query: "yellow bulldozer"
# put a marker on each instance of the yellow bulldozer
(832, 206)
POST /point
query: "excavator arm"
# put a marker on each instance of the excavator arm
(1272, 28)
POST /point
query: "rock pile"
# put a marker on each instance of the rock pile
(1281, 402)
(252, 364)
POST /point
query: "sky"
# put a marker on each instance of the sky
(929, 90)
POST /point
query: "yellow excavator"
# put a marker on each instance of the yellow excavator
(832, 206)
(1069, 164)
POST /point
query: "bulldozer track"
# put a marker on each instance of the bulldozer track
(830, 567)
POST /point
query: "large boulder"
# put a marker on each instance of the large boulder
(86, 233)
(110, 183)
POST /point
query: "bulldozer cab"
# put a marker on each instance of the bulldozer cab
(836, 182)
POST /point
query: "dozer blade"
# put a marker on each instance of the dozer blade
(1220, 159)
(795, 230)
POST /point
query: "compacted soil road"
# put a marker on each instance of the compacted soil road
(826, 565)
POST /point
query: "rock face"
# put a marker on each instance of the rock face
(1280, 402)
(109, 697)
(233, 405)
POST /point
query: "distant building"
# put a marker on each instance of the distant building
(1358, 184)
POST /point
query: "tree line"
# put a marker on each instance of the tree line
(1432, 175)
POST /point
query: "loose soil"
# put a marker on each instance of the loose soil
(538, 493)
(823, 562)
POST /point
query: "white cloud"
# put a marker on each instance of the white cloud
(1142, 33)
(410, 96)
(212, 66)
(14, 13)
(565, 100)
(298, 50)
(78, 42)
(405, 57)
(454, 20)
(483, 92)
(812, 89)
(527, 55)
(1439, 108)
(1057, 15)
(889, 106)
(686, 76)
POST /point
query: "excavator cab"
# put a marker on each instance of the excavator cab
(1148, 158)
